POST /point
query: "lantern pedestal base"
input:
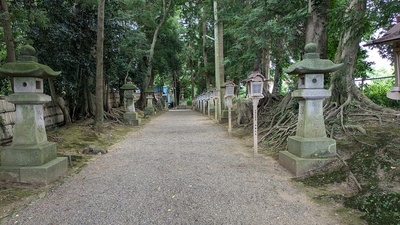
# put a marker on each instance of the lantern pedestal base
(28, 155)
(224, 116)
(149, 111)
(318, 147)
(37, 164)
(307, 154)
(41, 175)
(131, 118)
(300, 166)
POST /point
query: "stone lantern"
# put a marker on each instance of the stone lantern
(204, 102)
(130, 116)
(229, 94)
(392, 37)
(149, 110)
(209, 101)
(310, 148)
(215, 96)
(30, 158)
(182, 101)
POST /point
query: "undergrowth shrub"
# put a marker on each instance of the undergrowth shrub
(377, 93)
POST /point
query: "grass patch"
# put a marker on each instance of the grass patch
(318, 180)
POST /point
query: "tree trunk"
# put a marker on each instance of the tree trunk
(277, 80)
(205, 58)
(316, 31)
(221, 68)
(266, 60)
(342, 84)
(98, 125)
(166, 9)
(59, 102)
(8, 37)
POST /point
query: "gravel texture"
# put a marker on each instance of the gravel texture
(181, 168)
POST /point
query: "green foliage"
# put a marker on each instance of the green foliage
(378, 208)
(254, 29)
(377, 93)
(336, 176)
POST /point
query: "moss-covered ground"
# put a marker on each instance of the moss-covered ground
(366, 177)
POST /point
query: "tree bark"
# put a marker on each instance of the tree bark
(205, 58)
(98, 125)
(266, 59)
(59, 102)
(342, 84)
(277, 80)
(316, 31)
(8, 36)
(166, 9)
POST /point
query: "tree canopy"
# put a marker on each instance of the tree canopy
(155, 42)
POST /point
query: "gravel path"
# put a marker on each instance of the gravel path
(181, 168)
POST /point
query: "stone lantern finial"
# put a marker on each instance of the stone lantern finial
(27, 53)
(312, 64)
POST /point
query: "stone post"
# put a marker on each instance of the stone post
(30, 158)
(310, 148)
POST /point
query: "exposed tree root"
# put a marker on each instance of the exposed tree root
(278, 119)
(114, 114)
(351, 175)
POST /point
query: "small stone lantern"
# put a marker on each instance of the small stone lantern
(209, 100)
(182, 101)
(204, 102)
(310, 149)
(30, 158)
(215, 96)
(229, 93)
(149, 110)
(130, 116)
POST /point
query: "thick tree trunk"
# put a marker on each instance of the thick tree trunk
(342, 84)
(166, 9)
(98, 125)
(60, 102)
(266, 60)
(205, 58)
(277, 80)
(316, 31)
(8, 37)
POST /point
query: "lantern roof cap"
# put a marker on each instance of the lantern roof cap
(129, 85)
(253, 75)
(229, 82)
(27, 66)
(312, 63)
(392, 35)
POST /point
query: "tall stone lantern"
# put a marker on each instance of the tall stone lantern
(310, 148)
(130, 116)
(30, 158)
